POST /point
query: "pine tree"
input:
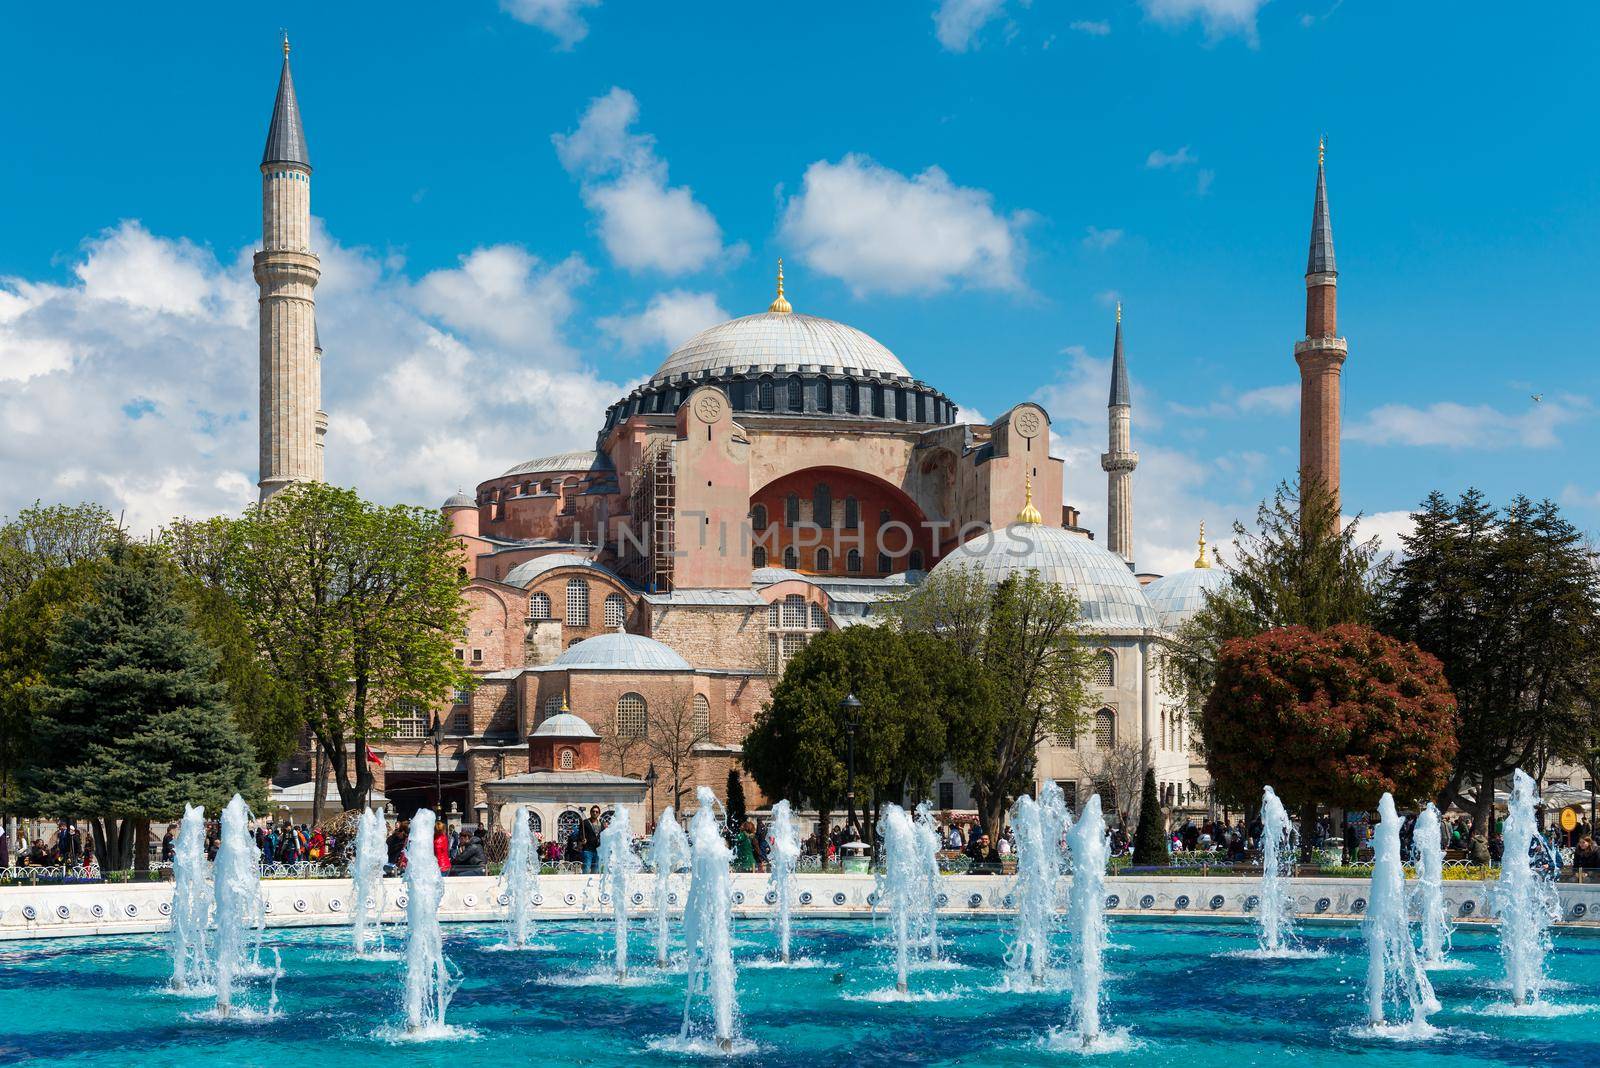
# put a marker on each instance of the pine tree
(736, 804)
(1150, 838)
(132, 722)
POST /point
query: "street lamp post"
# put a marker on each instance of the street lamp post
(437, 730)
(650, 786)
(852, 719)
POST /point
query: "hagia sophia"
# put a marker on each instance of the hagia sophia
(633, 602)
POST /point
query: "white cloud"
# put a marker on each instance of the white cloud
(645, 224)
(1159, 160)
(1203, 180)
(879, 231)
(1219, 18)
(1387, 527)
(1094, 28)
(562, 19)
(147, 400)
(669, 319)
(1099, 239)
(1278, 400)
(956, 23)
(1446, 424)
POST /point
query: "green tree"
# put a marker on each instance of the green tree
(1022, 636)
(736, 807)
(131, 721)
(1150, 837)
(50, 536)
(357, 609)
(1299, 567)
(1337, 716)
(1509, 601)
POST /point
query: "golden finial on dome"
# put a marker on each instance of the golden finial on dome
(1201, 561)
(779, 304)
(1029, 516)
(564, 707)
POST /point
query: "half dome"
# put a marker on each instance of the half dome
(1178, 596)
(631, 651)
(789, 340)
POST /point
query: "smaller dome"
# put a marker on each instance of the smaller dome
(565, 725)
(766, 576)
(458, 499)
(1178, 596)
(524, 573)
(632, 651)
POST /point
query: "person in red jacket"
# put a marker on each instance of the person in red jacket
(441, 846)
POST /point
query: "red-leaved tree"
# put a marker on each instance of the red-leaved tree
(1331, 717)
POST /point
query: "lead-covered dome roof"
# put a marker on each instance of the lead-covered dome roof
(1178, 596)
(1109, 596)
(788, 340)
(632, 651)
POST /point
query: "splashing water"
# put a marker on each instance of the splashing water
(783, 838)
(1087, 919)
(240, 911)
(902, 887)
(1038, 869)
(366, 877)
(707, 926)
(669, 853)
(1427, 843)
(428, 983)
(1394, 974)
(617, 862)
(928, 839)
(519, 880)
(1524, 897)
(191, 904)
(1279, 842)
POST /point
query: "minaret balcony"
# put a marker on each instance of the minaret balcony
(1112, 462)
(1332, 346)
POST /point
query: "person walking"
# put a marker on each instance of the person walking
(589, 841)
(441, 847)
(744, 847)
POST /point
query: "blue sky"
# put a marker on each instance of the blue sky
(973, 183)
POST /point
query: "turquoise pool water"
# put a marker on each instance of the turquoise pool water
(1183, 1001)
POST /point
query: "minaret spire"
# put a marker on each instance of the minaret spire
(1321, 353)
(1119, 459)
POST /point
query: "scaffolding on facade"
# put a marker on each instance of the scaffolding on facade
(653, 506)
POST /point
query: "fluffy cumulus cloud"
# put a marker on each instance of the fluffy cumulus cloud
(1219, 18)
(668, 320)
(134, 383)
(957, 23)
(644, 223)
(880, 231)
(562, 19)
(1446, 424)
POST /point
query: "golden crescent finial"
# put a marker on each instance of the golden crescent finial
(564, 707)
(1029, 516)
(779, 304)
(1201, 561)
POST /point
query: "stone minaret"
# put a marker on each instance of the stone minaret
(1320, 354)
(286, 270)
(1120, 459)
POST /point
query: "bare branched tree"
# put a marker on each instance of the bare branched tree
(670, 739)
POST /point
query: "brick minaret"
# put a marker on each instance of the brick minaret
(1320, 354)
(1119, 460)
(286, 270)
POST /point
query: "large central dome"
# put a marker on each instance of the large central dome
(788, 340)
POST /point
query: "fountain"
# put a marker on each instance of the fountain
(519, 880)
(1275, 918)
(1523, 897)
(707, 926)
(669, 852)
(240, 911)
(928, 842)
(784, 850)
(617, 862)
(1038, 836)
(1394, 974)
(1087, 919)
(191, 905)
(428, 984)
(366, 877)
(902, 885)
(1427, 843)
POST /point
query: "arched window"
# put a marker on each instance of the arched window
(535, 823)
(539, 606)
(774, 614)
(791, 509)
(552, 706)
(877, 400)
(824, 560)
(700, 725)
(791, 559)
(1105, 729)
(569, 759)
(566, 823)
(819, 618)
(822, 506)
(852, 398)
(852, 513)
(852, 560)
(915, 562)
(797, 393)
(883, 564)
(616, 609)
(1105, 668)
(764, 393)
(577, 602)
(758, 517)
(631, 716)
(758, 556)
(794, 611)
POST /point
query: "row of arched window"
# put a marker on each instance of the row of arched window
(633, 716)
(614, 608)
(1104, 733)
(821, 511)
(822, 560)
